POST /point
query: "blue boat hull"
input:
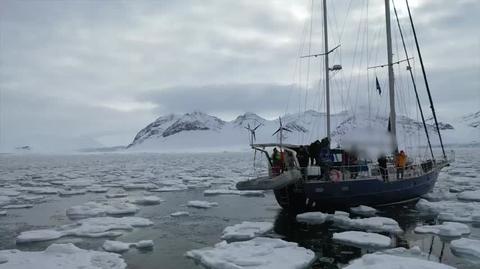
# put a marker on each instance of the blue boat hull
(318, 195)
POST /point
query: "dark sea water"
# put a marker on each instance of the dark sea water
(174, 236)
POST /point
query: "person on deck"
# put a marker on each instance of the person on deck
(382, 164)
(400, 163)
(276, 163)
(302, 157)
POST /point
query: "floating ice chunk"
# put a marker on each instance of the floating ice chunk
(116, 194)
(201, 204)
(246, 230)
(92, 227)
(169, 189)
(5, 200)
(3, 212)
(17, 206)
(180, 213)
(9, 192)
(257, 253)
(384, 261)
(342, 219)
(445, 229)
(146, 200)
(97, 189)
(39, 235)
(234, 192)
(363, 239)
(363, 210)
(465, 247)
(95, 209)
(41, 190)
(469, 196)
(117, 246)
(314, 217)
(71, 192)
(139, 186)
(144, 244)
(89, 209)
(61, 256)
(450, 210)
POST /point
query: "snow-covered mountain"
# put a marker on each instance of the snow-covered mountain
(198, 131)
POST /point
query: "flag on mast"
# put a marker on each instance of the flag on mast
(378, 86)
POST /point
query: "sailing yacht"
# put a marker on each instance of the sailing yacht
(330, 185)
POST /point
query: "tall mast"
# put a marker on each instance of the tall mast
(327, 80)
(391, 84)
(425, 79)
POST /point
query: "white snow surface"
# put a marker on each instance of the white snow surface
(469, 196)
(233, 192)
(342, 219)
(260, 252)
(118, 246)
(201, 204)
(466, 247)
(363, 210)
(453, 229)
(246, 230)
(95, 209)
(387, 261)
(61, 256)
(91, 227)
(146, 200)
(363, 239)
(180, 213)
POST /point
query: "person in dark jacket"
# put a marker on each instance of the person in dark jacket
(313, 152)
(302, 157)
(382, 164)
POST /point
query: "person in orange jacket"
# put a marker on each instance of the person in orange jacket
(400, 163)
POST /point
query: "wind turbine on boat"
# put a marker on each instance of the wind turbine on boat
(252, 132)
(280, 131)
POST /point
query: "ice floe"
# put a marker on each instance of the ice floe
(146, 200)
(465, 247)
(92, 227)
(180, 213)
(363, 239)
(313, 217)
(94, 209)
(469, 196)
(72, 192)
(453, 229)
(342, 219)
(201, 204)
(61, 256)
(17, 206)
(363, 210)
(450, 210)
(118, 246)
(398, 258)
(246, 230)
(116, 194)
(3, 212)
(233, 192)
(257, 253)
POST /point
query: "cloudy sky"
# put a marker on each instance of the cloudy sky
(102, 70)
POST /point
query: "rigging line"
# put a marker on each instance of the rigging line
(384, 65)
(355, 55)
(425, 79)
(309, 52)
(413, 81)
